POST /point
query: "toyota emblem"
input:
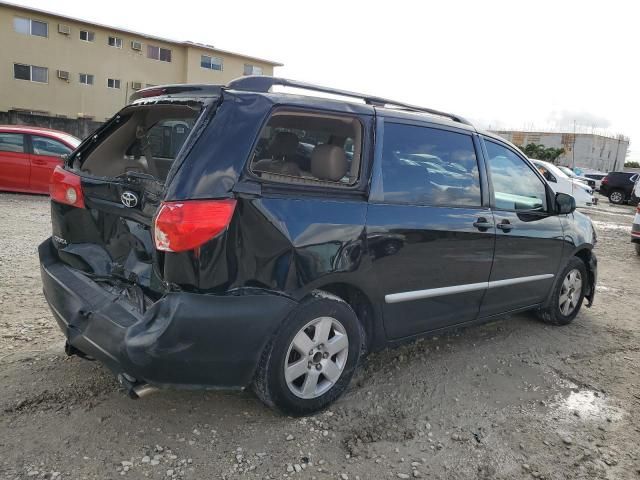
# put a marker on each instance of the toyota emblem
(129, 199)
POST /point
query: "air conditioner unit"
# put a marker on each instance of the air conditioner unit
(63, 75)
(64, 29)
(136, 85)
(136, 45)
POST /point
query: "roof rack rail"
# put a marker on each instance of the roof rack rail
(259, 83)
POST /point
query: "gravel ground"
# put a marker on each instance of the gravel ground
(507, 400)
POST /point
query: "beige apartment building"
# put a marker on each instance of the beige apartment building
(60, 66)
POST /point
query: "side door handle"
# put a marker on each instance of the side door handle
(505, 226)
(482, 224)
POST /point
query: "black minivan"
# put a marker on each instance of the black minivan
(233, 236)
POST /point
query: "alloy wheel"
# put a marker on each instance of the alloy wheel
(316, 357)
(570, 292)
(616, 197)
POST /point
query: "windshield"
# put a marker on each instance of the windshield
(568, 171)
(70, 140)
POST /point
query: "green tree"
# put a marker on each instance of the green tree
(533, 150)
(551, 154)
(540, 152)
(632, 164)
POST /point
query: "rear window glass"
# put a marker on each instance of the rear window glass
(309, 148)
(146, 140)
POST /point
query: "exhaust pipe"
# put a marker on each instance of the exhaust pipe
(144, 389)
(134, 388)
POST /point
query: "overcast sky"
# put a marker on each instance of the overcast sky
(508, 64)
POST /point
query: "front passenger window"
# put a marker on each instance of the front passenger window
(49, 147)
(515, 185)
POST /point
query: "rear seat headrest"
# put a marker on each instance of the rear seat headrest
(284, 143)
(328, 162)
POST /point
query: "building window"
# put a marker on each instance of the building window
(87, 36)
(113, 83)
(158, 53)
(213, 63)
(252, 69)
(31, 27)
(115, 42)
(30, 72)
(86, 78)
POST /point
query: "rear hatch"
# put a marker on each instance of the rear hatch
(111, 188)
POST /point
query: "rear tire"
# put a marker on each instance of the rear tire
(616, 197)
(567, 296)
(311, 360)
(637, 248)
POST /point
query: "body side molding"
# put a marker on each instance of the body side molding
(469, 287)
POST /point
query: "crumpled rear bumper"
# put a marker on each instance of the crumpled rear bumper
(186, 340)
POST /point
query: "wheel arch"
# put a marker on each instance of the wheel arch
(361, 304)
(585, 253)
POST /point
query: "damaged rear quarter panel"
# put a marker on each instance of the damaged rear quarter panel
(297, 244)
(282, 244)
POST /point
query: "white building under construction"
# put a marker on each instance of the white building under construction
(588, 150)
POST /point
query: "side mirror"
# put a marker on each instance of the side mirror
(565, 203)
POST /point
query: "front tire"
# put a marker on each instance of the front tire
(567, 296)
(310, 361)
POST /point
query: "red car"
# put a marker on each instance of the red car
(28, 156)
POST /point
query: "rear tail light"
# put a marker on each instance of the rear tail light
(605, 180)
(181, 226)
(638, 209)
(65, 187)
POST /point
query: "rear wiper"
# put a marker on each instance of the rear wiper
(140, 175)
(150, 184)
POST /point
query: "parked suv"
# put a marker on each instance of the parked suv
(597, 179)
(287, 235)
(618, 186)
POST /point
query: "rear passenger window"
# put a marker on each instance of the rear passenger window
(11, 142)
(308, 148)
(428, 166)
